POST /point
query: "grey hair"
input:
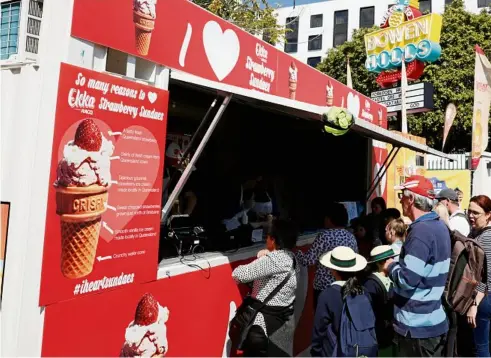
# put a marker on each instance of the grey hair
(420, 202)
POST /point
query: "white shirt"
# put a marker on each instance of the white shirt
(459, 223)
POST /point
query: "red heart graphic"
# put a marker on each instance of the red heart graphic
(137, 159)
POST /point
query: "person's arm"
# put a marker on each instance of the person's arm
(191, 201)
(322, 320)
(257, 269)
(318, 248)
(408, 271)
(472, 311)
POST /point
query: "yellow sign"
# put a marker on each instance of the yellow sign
(417, 38)
(426, 27)
(452, 179)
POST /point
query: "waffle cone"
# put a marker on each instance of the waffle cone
(79, 246)
(80, 210)
(144, 25)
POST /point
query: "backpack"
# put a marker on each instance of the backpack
(357, 335)
(467, 269)
(384, 338)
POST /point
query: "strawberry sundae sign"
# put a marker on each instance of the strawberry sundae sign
(103, 215)
(206, 46)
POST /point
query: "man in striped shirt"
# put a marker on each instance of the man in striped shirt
(420, 275)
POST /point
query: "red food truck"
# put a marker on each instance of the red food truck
(86, 125)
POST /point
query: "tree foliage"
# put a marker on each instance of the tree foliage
(452, 76)
(254, 16)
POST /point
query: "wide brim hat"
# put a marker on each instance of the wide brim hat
(343, 259)
(382, 252)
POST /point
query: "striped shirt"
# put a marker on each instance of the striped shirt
(484, 238)
(419, 279)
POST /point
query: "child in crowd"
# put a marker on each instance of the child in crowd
(379, 287)
(395, 233)
(345, 301)
(362, 232)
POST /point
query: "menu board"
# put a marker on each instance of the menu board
(103, 212)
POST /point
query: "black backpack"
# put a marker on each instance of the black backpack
(385, 337)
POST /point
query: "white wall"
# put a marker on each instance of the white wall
(28, 97)
(327, 8)
(481, 182)
(28, 107)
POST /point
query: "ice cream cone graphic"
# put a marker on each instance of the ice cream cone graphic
(329, 94)
(81, 196)
(144, 18)
(292, 80)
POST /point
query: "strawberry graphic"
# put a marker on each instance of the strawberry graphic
(88, 136)
(147, 310)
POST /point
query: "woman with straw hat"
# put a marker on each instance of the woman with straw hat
(379, 287)
(343, 304)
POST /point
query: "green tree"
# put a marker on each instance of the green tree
(452, 76)
(254, 16)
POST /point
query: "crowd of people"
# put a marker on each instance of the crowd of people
(380, 280)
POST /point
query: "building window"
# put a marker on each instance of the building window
(420, 161)
(291, 36)
(9, 30)
(313, 61)
(367, 16)
(425, 6)
(32, 44)
(33, 26)
(35, 8)
(340, 27)
(483, 3)
(315, 42)
(316, 21)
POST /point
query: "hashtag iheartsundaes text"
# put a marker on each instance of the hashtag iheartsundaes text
(106, 282)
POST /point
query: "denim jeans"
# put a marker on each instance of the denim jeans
(481, 332)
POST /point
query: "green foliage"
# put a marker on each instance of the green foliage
(254, 16)
(452, 76)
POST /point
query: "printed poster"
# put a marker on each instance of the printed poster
(5, 213)
(204, 45)
(162, 317)
(482, 101)
(103, 213)
(452, 179)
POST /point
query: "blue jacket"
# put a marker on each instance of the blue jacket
(327, 321)
(419, 279)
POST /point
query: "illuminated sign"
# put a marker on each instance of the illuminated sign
(404, 34)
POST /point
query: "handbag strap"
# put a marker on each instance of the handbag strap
(281, 285)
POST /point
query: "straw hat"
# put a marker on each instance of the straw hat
(382, 252)
(343, 259)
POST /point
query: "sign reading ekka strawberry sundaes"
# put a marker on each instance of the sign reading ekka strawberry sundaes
(405, 34)
(181, 35)
(103, 215)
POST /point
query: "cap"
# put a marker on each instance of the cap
(449, 194)
(418, 184)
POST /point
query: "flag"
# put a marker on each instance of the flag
(403, 97)
(450, 114)
(349, 81)
(482, 100)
